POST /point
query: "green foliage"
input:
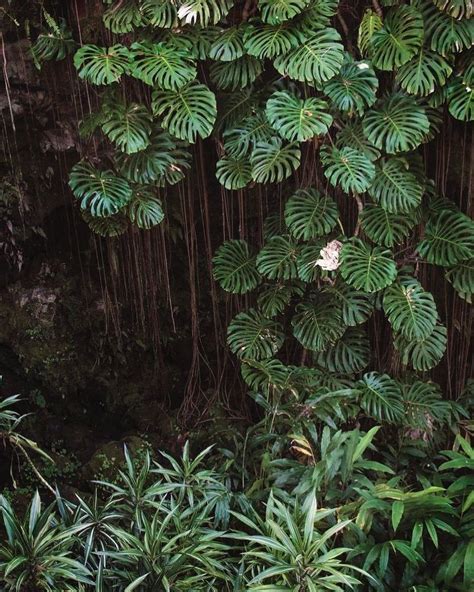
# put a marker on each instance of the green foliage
(251, 335)
(423, 354)
(145, 210)
(234, 173)
(449, 239)
(100, 65)
(384, 228)
(317, 325)
(234, 267)
(395, 188)
(160, 66)
(354, 88)
(268, 41)
(276, 11)
(369, 269)
(274, 161)
(381, 397)
(128, 126)
(424, 73)
(349, 168)
(309, 215)
(55, 44)
(236, 74)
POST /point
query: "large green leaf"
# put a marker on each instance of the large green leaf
(399, 39)
(108, 226)
(448, 240)
(188, 112)
(234, 173)
(307, 262)
(203, 12)
(395, 188)
(160, 13)
(462, 279)
(236, 74)
(424, 73)
(55, 44)
(349, 168)
(317, 325)
(128, 126)
(102, 193)
(262, 375)
(100, 65)
(268, 41)
(276, 11)
(352, 135)
(399, 124)
(252, 336)
(145, 210)
(273, 162)
(234, 267)
(367, 268)
(410, 309)
(245, 134)
(380, 397)
(274, 299)
(354, 88)
(349, 355)
(370, 23)
(384, 228)
(277, 259)
(316, 60)
(423, 402)
(123, 17)
(448, 35)
(461, 100)
(162, 66)
(308, 214)
(297, 119)
(356, 307)
(456, 8)
(425, 353)
(228, 45)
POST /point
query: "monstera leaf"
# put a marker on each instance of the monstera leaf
(246, 134)
(461, 278)
(316, 60)
(234, 173)
(272, 161)
(188, 112)
(307, 262)
(317, 325)
(297, 119)
(395, 188)
(123, 18)
(399, 124)
(356, 307)
(423, 354)
(449, 239)
(276, 11)
(150, 164)
(203, 12)
(399, 39)
(381, 397)
(234, 267)
(145, 210)
(101, 192)
(424, 73)
(252, 336)
(370, 23)
(129, 127)
(410, 309)
(274, 299)
(352, 136)
(277, 259)
(384, 228)
(349, 355)
(100, 65)
(461, 100)
(349, 168)
(161, 66)
(448, 35)
(160, 13)
(354, 88)
(55, 44)
(424, 403)
(367, 268)
(309, 214)
(236, 74)
(229, 45)
(456, 8)
(268, 41)
(265, 374)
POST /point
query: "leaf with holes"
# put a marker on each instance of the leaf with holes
(384, 228)
(424, 73)
(272, 162)
(448, 240)
(128, 127)
(308, 214)
(100, 192)
(297, 119)
(274, 299)
(277, 11)
(423, 354)
(410, 310)
(356, 307)
(317, 325)
(371, 23)
(269, 41)
(228, 45)
(354, 88)
(246, 134)
(352, 136)
(109, 226)
(236, 74)
(188, 112)
(123, 17)
(233, 173)
(307, 262)
(347, 168)
(349, 355)
(262, 375)
(203, 12)
(399, 124)
(160, 13)
(252, 336)
(161, 66)
(100, 65)
(234, 267)
(367, 268)
(380, 397)
(456, 8)
(399, 39)
(145, 210)
(461, 277)
(316, 60)
(277, 259)
(395, 188)
(461, 100)
(424, 403)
